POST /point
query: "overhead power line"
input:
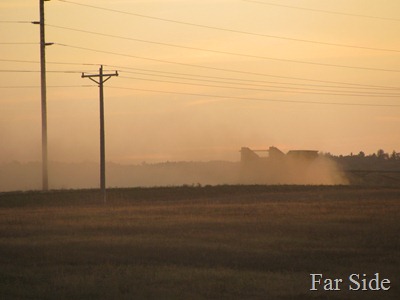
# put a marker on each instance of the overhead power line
(221, 29)
(338, 84)
(352, 84)
(48, 62)
(325, 11)
(70, 63)
(18, 43)
(247, 81)
(256, 99)
(37, 71)
(288, 89)
(345, 84)
(215, 51)
(254, 56)
(38, 86)
(19, 71)
(20, 61)
(15, 22)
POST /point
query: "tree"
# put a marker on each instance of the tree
(381, 154)
(395, 155)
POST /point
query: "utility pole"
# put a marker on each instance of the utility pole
(101, 79)
(43, 44)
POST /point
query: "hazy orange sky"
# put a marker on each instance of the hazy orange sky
(203, 105)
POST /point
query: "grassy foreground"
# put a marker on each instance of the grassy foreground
(225, 242)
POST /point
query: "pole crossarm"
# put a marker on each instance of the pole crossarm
(99, 75)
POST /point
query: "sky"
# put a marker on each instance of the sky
(198, 80)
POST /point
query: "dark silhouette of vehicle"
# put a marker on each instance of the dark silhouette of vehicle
(272, 166)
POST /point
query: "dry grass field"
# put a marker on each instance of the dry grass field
(224, 242)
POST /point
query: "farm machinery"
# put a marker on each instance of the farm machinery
(272, 166)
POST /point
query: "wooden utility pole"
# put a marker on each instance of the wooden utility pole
(101, 79)
(43, 44)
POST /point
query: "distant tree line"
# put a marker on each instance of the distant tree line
(380, 160)
(380, 154)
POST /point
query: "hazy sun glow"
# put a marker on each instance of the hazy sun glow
(200, 79)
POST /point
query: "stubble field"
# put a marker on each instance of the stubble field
(224, 242)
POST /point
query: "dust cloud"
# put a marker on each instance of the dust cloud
(301, 171)
(27, 176)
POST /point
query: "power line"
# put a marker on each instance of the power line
(38, 86)
(246, 82)
(19, 43)
(37, 71)
(232, 30)
(257, 99)
(20, 61)
(19, 71)
(15, 22)
(201, 49)
(238, 82)
(353, 85)
(253, 56)
(47, 62)
(324, 11)
(159, 19)
(311, 91)
(71, 63)
(346, 84)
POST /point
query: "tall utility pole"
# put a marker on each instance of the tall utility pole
(101, 79)
(43, 44)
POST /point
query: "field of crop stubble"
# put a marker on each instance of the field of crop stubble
(224, 242)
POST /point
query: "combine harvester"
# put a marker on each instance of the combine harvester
(272, 166)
